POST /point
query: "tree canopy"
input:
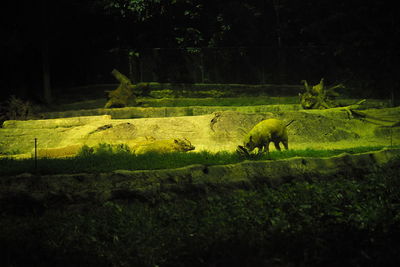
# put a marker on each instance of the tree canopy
(78, 29)
(254, 22)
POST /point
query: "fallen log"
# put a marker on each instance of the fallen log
(124, 95)
(318, 96)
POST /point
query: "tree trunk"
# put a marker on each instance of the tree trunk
(45, 57)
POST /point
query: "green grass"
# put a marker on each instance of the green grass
(187, 102)
(223, 101)
(204, 101)
(106, 158)
(343, 221)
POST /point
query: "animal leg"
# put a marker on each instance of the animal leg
(277, 146)
(266, 148)
(286, 144)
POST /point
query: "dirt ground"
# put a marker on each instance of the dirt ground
(220, 130)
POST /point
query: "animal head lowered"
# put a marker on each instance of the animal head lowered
(249, 144)
(263, 133)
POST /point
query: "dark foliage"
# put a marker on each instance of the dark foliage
(86, 39)
(17, 109)
(349, 221)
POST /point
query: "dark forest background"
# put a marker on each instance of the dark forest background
(79, 42)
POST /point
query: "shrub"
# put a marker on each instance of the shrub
(85, 151)
(17, 109)
(350, 221)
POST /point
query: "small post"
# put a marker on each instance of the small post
(35, 154)
(391, 136)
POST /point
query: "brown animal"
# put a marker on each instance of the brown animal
(266, 131)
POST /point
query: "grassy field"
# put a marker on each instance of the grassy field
(106, 158)
(340, 221)
(343, 221)
(225, 101)
(207, 101)
(185, 102)
(349, 221)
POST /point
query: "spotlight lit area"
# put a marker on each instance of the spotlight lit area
(199, 133)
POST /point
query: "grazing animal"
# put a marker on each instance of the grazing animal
(266, 131)
(165, 146)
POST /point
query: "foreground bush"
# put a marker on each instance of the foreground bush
(349, 221)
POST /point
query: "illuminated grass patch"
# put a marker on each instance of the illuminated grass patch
(106, 158)
(223, 101)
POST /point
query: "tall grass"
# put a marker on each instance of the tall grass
(106, 158)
